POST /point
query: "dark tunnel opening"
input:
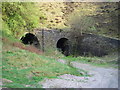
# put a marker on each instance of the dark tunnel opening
(31, 39)
(63, 46)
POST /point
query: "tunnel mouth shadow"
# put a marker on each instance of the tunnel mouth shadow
(30, 39)
(63, 46)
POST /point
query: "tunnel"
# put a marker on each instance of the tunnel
(63, 46)
(30, 39)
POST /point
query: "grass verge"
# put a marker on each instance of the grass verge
(24, 69)
(107, 61)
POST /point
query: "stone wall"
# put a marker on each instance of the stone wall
(87, 44)
(51, 37)
(96, 45)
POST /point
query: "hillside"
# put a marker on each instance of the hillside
(72, 15)
(99, 18)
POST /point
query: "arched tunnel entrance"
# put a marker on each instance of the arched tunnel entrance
(31, 39)
(63, 46)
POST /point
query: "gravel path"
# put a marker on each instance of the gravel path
(102, 78)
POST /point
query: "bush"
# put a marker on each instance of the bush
(17, 17)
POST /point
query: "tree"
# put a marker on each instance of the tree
(81, 19)
(81, 23)
(18, 17)
(97, 18)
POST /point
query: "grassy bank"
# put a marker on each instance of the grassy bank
(25, 69)
(106, 61)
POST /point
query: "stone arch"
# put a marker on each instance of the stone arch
(30, 39)
(63, 46)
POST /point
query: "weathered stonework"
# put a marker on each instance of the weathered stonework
(76, 45)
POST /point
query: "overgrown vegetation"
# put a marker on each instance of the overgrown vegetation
(97, 18)
(83, 17)
(20, 17)
(81, 20)
(106, 61)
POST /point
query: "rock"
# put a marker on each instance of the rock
(62, 61)
(27, 85)
(72, 77)
(82, 73)
(60, 83)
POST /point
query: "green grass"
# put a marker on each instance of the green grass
(96, 61)
(27, 68)
(105, 61)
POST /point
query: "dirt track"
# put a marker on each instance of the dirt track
(102, 78)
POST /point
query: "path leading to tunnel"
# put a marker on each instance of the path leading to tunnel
(101, 78)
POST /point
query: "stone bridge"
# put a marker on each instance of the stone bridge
(70, 44)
